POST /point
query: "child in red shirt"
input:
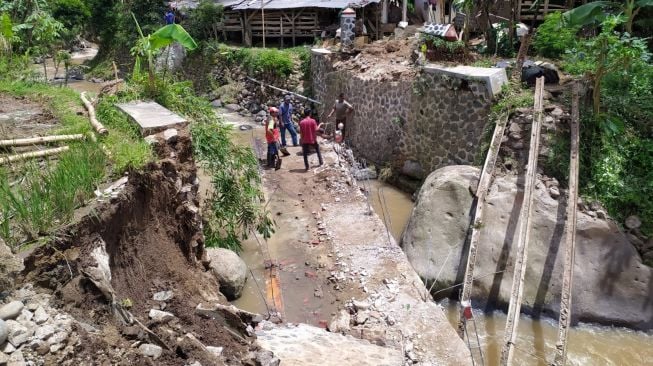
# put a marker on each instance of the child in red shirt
(272, 136)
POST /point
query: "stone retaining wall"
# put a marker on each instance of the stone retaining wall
(417, 125)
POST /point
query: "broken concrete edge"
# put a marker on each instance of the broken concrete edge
(493, 78)
(164, 118)
(320, 51)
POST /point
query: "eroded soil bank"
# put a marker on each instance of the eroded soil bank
(132, 275)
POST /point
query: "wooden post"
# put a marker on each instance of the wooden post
(564, 320)
(263, 21)
(481, 192)
(384, 11)
(281, 29)
(292, 26)
(404, 11)
(514, 308)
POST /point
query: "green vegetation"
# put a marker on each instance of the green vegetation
(616, 144)
(259, 62)
(203, 21)
(553, 38)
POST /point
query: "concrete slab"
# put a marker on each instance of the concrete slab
(152, 117)
(493, 77)
(321, 51)
(301, 344)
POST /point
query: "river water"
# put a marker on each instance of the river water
(588, 344)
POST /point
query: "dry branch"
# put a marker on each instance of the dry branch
(32, 154)
(99, 128)
(40, 140)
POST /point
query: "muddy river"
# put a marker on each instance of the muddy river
(588, 344)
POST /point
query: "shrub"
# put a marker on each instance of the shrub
(553, 38)
(73, 14)
(203, 21)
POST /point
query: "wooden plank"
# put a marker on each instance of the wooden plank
(481, 193)
(564, 320)
(512, 320)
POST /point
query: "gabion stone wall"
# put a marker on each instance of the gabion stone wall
(416, 125)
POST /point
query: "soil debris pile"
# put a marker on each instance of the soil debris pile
(134, 273)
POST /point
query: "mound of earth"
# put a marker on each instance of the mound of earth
(134, 269)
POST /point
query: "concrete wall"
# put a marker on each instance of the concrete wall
(417, 124)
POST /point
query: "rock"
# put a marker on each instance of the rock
(25, 315)
(230, 271)
(55, 347)
(361, 305)
(232, 107)
(216, 103)
(340, 322)
(10, 266)
(413, 169)
(216, 351)
(11, 310)
(361, 317)
(18, 333)
(601, 214)
(554, 192)
(170, 135)
(4, 331)
(160, 316)
(632, 222)
(163, 296)
(40, 316)
(151, 139)
(16, 359)
(615, 284)
(262, 113)
(7, 348)
(42, 348)
(44, 332)
(58, 337)
(3, 358)
(266, 358)
(557, 112)
(150, 350)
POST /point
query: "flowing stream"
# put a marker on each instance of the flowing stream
(588, 344)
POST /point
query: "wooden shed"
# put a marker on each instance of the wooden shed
(291, 20)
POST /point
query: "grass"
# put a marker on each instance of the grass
(47, 194)
(35, 198)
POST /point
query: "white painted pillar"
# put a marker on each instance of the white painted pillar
(404, 11)
(384, 11)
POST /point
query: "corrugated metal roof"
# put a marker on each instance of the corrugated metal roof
(293, 4)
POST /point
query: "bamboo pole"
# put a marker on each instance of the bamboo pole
(32, 154)
(99, 128)
(40, 140)
(481, 192)
(517, 291)
(570, 234)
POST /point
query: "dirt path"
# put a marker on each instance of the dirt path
(329, 250)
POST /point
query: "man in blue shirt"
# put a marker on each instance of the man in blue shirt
(285, 109)
(170, 17)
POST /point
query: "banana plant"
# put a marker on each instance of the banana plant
(148, 47)
(596, 11)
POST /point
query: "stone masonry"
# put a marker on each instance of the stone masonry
(416, 124)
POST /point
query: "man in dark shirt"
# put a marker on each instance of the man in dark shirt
(285, 109)
(308, 129)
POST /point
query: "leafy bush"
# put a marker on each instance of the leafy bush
(437, 49)
(257, 61)
(73, 14)
(202, 22)
(553, 38)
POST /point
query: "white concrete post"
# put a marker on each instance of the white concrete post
(384, 11)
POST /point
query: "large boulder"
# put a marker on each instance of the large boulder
(10, 266)
(611, 285)
(229, 270)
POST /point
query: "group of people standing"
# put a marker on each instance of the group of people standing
(280, 121)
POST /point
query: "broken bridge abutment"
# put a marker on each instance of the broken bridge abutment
(416, 120)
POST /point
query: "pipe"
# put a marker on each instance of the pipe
(284, 90)
(99, 128)
(32, 154)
